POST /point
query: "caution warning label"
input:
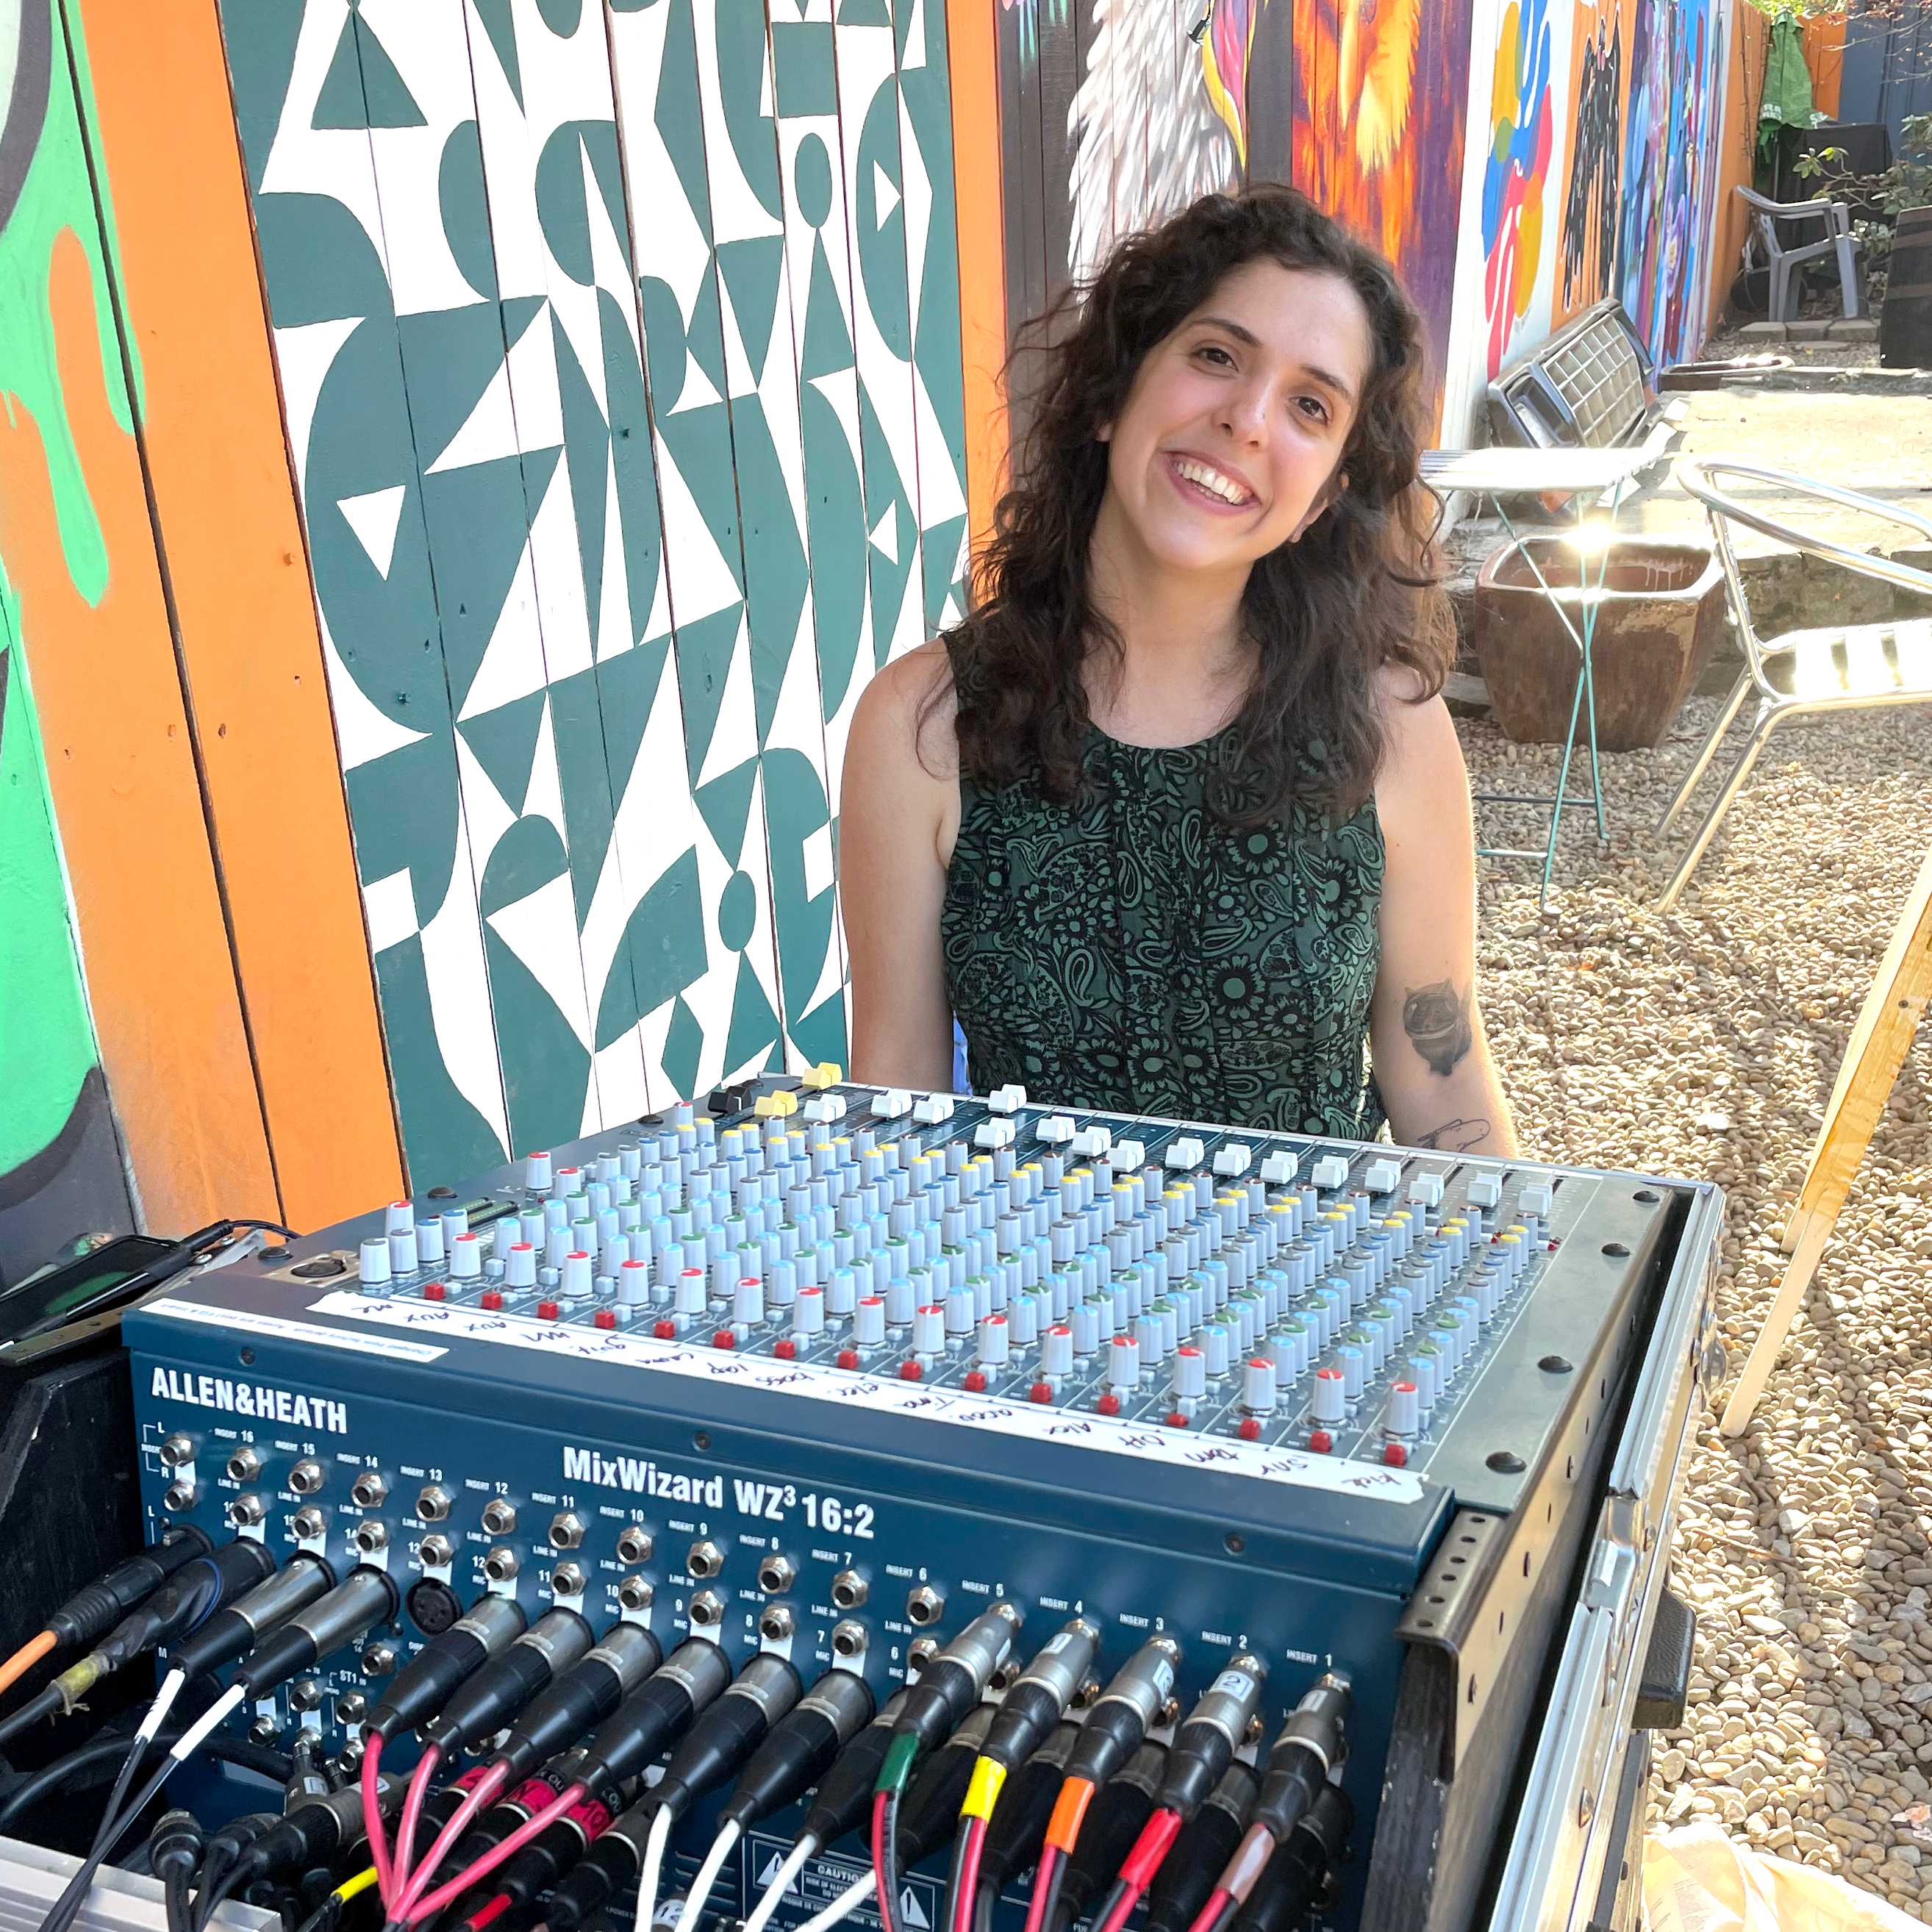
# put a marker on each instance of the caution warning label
(823, 1881)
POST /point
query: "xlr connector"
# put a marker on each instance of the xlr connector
(953, 1682)
(1017, 1829)
(201, 1586)
(482, 1706)
(1182, 1885)
(97, 1606)
(930, 1810)
(313, 1833)
(1209, 1736)
(1298, 1873)
(1125, 1711)
(685, 1683)
(229, 1633)
(1115, 1819)
(584, 1694)
(364, 1598)
(755, 1700)
(845, 1794)
(1041, 1693)
(443, 1664)
(1312, 1743)
(800, 1747)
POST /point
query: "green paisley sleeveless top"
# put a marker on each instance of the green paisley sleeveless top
(1128, 952)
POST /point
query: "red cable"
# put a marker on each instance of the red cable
(1042, 1883)
(485, 1789)
(372, 1815)
(1139, 1867)
(879, 1801)
(487, 1915)
(1211, 1914)
(969, 1875)
(424, 1908)
(411, 1822)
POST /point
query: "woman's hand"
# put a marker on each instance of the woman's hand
(1431, 1061)
(896, 821)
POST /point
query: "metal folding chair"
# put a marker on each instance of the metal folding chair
(1836, 668)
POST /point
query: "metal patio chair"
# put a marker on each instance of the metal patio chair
(1841, 668)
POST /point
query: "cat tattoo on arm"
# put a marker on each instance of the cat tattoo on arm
(1437, 1019)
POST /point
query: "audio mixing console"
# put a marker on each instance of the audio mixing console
(825, 1376)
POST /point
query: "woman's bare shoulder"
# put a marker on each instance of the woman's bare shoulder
(906, 712)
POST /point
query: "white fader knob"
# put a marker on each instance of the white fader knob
(994, 1337)
(1128, 1155)
(894, 1104)
(929, 1109)
(994, 1134)
(1485, 1191)
(1184, 1151)
(1330, 1171)
(1055, 1130)
(1056, 1351)
(1234, 1158)
(1330, 1402)
(1405, 1410)
(1537, 1198)
(1092, 1143)
(1258, 1386)
(1383, 1176)
(1278, 1169)
(1425, 1190)
(1007, 1099)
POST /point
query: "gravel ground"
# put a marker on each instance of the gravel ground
(1704, 1044)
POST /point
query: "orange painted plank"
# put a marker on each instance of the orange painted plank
(972, 49)
(121, 769)
(1824, 43)
(211, 428)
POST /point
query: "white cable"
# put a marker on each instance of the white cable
(652, 1870)
(190, 1739)
(841, 1908)
(796, 1860)
(707, 1876)
(172, 1686)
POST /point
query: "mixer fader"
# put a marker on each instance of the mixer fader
(823, 1376)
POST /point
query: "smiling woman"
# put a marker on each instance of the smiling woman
(1176, 823)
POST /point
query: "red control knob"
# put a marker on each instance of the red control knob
(666, 1330)
(786, 1351)
(1109, 1404)
(1321, 1442)
(1040, 1392)
(724, 1338)
(848, 1358)
(546, 1311)
(434, 1291)
(973, 1383)
(1250, 1428)
(489, 1299)
(604, 1318)
(910, 1372)
(1396, 1456)
(1176, 1421)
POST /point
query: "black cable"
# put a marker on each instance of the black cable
(174, 1896)
(174, 1849)
(43, 1783)
(267, 1227)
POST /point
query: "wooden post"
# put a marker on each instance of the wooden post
(1879, 1042)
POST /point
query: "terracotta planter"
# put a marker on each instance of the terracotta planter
(1660, 617)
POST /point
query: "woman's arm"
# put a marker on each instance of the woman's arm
(895, 824)
(1431, 1061)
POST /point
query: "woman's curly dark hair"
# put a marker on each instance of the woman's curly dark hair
(1325, 614)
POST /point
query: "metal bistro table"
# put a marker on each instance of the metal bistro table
(1597, 480)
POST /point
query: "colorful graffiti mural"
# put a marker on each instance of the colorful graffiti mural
(1380, 106)
(622, 379)
(1588, 247)
(1673, 124)
(61, 1173)
(1516, 183)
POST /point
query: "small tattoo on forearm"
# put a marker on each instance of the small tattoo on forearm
(1455, 1136)
(1437, 1020)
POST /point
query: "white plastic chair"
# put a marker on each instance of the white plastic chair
(1784, 260)
(1835, 668)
